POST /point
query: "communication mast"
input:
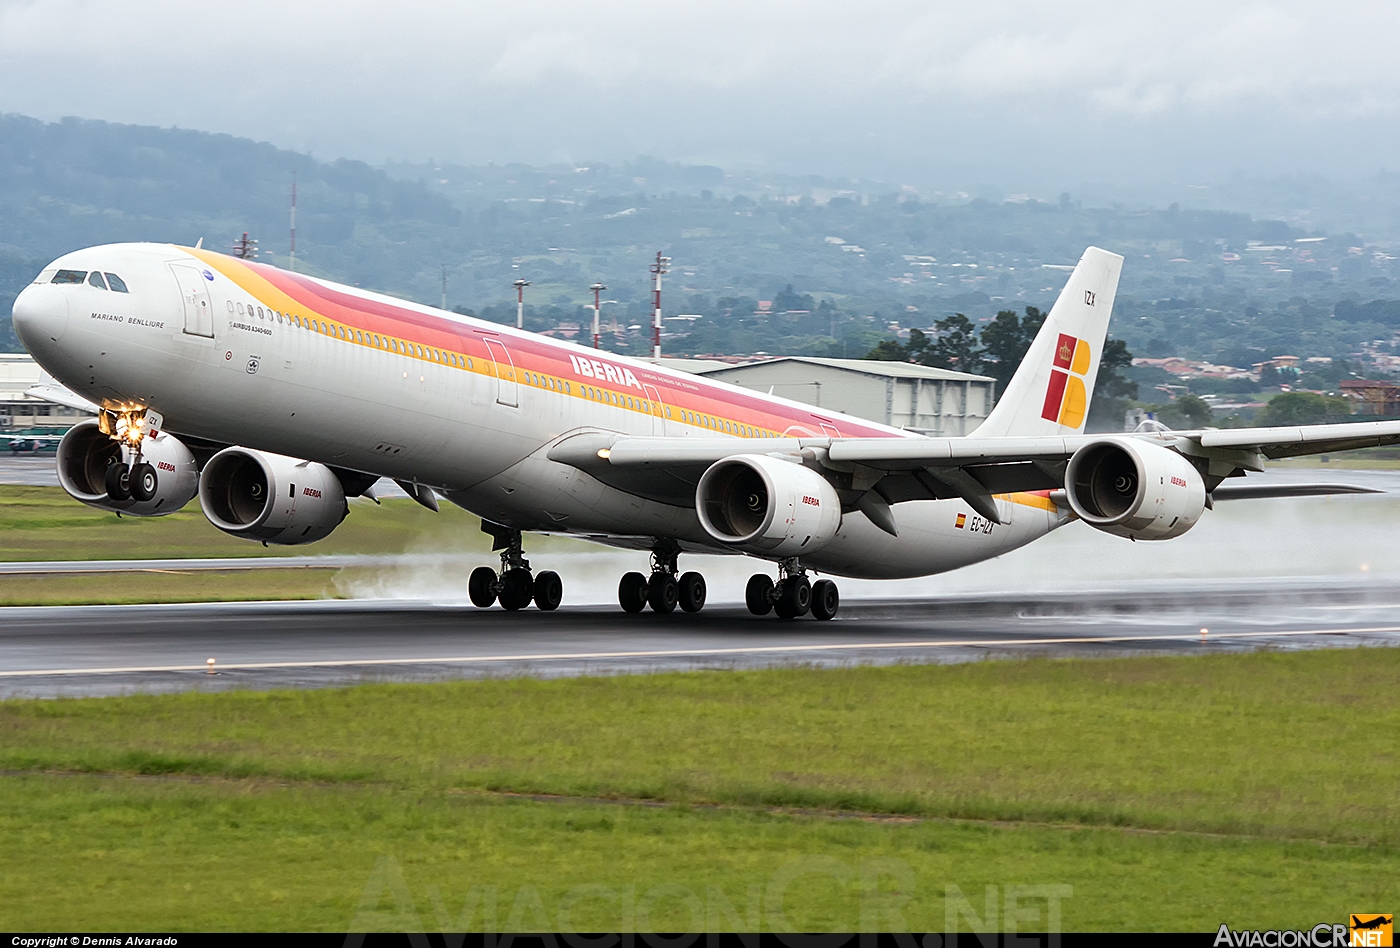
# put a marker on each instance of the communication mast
(597, 289)
(244, 248)
(293, 265)
(661, 266)
(520, 303)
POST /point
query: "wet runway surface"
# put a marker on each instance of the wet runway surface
(96, 650)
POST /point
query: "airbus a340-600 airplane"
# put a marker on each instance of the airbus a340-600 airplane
(274, 396)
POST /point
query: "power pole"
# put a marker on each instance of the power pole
(244, 248)
(444, 286)
(597, 289)
(520, 303)
(294, 222)
(661, 266)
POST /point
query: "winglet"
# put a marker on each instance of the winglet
(1051, 391)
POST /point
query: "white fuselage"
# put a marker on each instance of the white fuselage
(240, 353)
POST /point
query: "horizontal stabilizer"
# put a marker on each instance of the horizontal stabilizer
(1261, 491)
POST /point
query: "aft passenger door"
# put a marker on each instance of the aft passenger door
(194, 294)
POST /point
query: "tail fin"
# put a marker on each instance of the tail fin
(1050, 392)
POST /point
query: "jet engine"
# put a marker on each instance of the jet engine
(99, 472)
(260, 496)
(764, 505)
(1134, 489)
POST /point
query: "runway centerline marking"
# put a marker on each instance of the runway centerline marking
(698, 652)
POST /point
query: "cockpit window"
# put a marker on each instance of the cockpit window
(95, 279)
(117, 283)
(70, 276)
(45, 277)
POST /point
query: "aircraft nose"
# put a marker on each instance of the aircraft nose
(40, 316)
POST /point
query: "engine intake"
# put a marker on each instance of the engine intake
(764, 505)
(1134, 489)
(85, 454)
(269, 497)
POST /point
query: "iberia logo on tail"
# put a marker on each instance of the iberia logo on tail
(1066, 398)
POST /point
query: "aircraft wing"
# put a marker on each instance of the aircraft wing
(895, 470)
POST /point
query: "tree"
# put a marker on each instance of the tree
(888, 350)
(1108, 382)
(1302, 408)
(1112, 391)
(1005, 342)
(955, 347)
(1191, 411)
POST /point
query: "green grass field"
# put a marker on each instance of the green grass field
(1168, 793)
(44, 523)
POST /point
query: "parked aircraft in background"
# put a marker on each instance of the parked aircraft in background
(274, 396)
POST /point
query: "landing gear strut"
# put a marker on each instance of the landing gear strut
(793, 595)
(515, 586)
(663, 590)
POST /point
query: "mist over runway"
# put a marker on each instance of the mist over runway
(103, 650)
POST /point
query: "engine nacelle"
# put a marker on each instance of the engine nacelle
(764, 505)
(1134, 489)
(85, 453)
(269, 497)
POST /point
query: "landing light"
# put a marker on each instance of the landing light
(604, 453)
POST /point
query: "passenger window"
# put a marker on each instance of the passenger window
(116, 283)
(260, 312)
(230, 305)
(240, 308)
(70, 276)
(95, 279)
(566, 388)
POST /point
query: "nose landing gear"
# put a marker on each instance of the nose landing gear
(136, 480)
(663, 591)
(516, 586)
(793, 595)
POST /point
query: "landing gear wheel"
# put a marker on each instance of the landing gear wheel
(549, 590)
(118, 481)
(692, 592)
(663, 592)
(825, 599)
(143, 481)
(758, 594)
(517, 588)
(794, 597)
(632, 592)
(481, 586)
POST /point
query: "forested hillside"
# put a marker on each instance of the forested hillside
(767, 262)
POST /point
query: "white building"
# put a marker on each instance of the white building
(19, 410)
(931, 401)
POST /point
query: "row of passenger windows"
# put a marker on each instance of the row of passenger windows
(96, 278)
(451, 358)
(352, 335)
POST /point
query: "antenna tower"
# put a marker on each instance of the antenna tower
(660, 267)
(294, 222)
(520, 303)
(245, 248)
(597, 289)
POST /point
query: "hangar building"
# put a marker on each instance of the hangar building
(935, 402)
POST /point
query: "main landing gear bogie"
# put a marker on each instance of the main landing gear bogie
(793, 595)
(515, 587)
(663, 590)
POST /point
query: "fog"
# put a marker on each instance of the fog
(1020, 94)
(1343, 537)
